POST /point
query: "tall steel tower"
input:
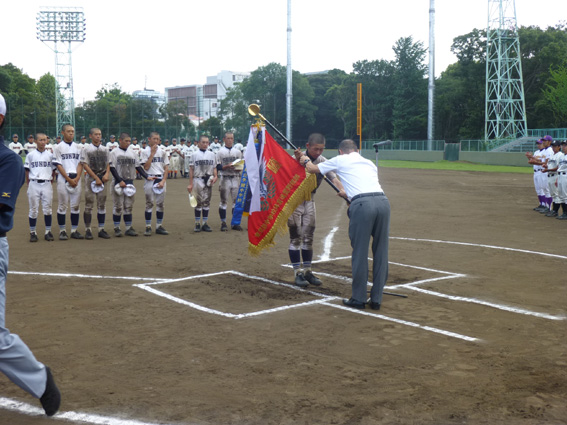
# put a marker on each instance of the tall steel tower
(58, 28)
(505, 104)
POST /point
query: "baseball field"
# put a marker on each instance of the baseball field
(189, 329)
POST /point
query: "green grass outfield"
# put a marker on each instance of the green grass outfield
(454, 166)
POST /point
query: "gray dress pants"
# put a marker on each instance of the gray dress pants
(17, 361)
(369, 217)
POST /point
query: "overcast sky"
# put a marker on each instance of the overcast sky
(174, 43)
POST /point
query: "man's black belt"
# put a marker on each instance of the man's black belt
(362, 195)
(562, 174)
(550, 174)
(40, 181)
(72, 175)
(229, 177)
(2, 234)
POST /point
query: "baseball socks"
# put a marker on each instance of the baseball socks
(307, 255)
(295, 258)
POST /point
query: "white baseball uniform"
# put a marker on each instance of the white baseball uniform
(40, 172)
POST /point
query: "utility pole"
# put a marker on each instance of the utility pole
(505, 110)
(431, 86)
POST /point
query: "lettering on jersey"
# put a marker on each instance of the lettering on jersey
(126, 161)
(65, 156)
(200, 162)
(37, 164)
(157, 159)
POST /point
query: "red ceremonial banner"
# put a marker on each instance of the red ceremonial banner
(284, 185)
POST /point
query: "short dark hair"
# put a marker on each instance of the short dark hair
(316, 139)
(64, 126)
(123, 135)
(347, 146)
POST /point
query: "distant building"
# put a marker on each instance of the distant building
(150, 94)
(203, 101)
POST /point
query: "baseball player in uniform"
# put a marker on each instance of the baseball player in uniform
(30, 145)
(215, 146)
(124, 163)
(39, 175)
(135, 147)
(562, 180)
(112, 144)
(238, 145)
(94, 157)
(15, 146)
(229, 176)
(174, 158)
(537, 159)
(301, 223)
(202, 177)
(67, 158)
(156, 164)
(551, 169)
(17, 361)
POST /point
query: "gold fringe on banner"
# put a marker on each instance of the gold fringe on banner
(301, 194)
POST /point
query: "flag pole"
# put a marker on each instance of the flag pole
(254, 110)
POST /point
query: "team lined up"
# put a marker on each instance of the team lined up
(550, 176)
(118, 164)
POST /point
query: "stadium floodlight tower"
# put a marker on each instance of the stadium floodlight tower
(58, 28)
(505, 110)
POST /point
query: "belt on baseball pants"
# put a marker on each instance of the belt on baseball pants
(363, 195)
(551, 175)
(40, 181)
(2, 234)
(155, 175)
(562, 174)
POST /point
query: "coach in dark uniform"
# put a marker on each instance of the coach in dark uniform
(17, 361)
(369, 214)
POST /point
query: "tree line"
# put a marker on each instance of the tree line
(394, 96)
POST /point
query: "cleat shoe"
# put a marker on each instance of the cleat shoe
(312, 279)
(88, 234)
(63, 235)
(76, 235)
(131, 232)
(117, 232)
(161, 231)
(223, 227)
(539, 208)
(562, 217)
(49, 236)
(148, 231)
(197, 227)
(236, 227)
(544, 210)
(373, 305)
(206, 228)
(51, 398)
(300, 280)
(551, 214)
(33, 237)
(102, 234)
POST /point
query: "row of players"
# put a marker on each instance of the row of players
(120, 166)
(550, 176)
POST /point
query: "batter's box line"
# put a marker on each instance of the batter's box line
(85, 276)
(149, 287)
(413, 287)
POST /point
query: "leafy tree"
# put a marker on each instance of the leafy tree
(212, 127)
(555, 96)
(233, 111)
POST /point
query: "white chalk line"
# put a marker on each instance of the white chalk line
(149, 287)
(86, 276)
(525, 251)
(327, 245)
(406, 323)
(77, 417)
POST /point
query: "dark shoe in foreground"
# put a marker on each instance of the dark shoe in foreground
(117, 232)
(63, 235)
(148, 231)
(131, 232)
(562, 217)
(102, 234)
(51, 398)
(76, 235)
(161, 231)
(206, 228)
(300, 280)
(353, 303)
(223, 227)
(312, 279)
(237, 227)
(33, 237)
(373, 305)
(88, 235)
(551, 214)
(197, 228)
(49, 236)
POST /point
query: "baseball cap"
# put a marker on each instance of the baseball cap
(2, 106)
(70, 188)
(539, 141)
(118, 189)
(112, 136)
(30, 135)
(556, 143)
(96, 188)
(548, 138)
(129, 190)
(158, 190)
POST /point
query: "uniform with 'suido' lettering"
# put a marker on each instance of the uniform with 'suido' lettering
(202, 173)
(39, 170)
(156, 164)
(67, 157)
(229, 177)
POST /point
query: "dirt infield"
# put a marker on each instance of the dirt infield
(204, 334)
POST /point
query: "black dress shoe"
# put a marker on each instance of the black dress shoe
(351, 302)
(373, 305)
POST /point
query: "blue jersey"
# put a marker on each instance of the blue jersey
(12, 177)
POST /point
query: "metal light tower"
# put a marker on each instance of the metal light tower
(505, 103)
(431, 86)
(60, 27)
